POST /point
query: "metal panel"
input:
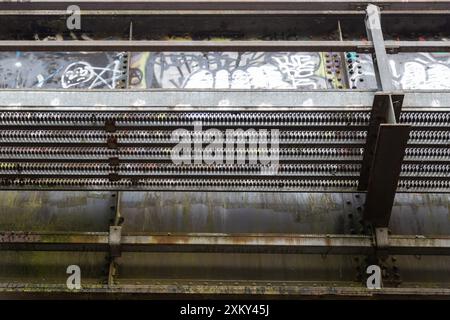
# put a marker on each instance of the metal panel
(183, 100)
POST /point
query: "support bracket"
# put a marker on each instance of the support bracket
(383, 156)
(385, 172)
(386, 108)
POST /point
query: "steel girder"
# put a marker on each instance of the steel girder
(237, 243)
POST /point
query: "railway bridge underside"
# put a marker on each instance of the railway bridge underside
(357, 96)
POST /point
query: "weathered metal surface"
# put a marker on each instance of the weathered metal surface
(420, 214)
(197, 212)
(50, 267)
(229, 5)
(57, 211)
(205, 289)
(215, 212)
(144, 267)
(240, 243)
(329, 244)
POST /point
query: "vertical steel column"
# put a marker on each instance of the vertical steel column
(380, 59)
(386, 139)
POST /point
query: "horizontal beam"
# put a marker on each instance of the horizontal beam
(433, 101)
(238, 45)
(318, 12)
(244, 243)
(284, 5)
(184, 46)
(325, 244)
(416, 46)
(210, 100)
(195, 185)
(203, 289)
(183, 100)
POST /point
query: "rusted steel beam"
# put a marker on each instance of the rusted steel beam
(408, 244)
(249, 243)
(84, 241)
(192, 288)
(323, 244)
(245, 243)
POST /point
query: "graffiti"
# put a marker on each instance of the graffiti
(61, 70)
(78, 73)
(299, 69)
(220, 70)
(426, 71)
(233, 70)
(421, 70)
